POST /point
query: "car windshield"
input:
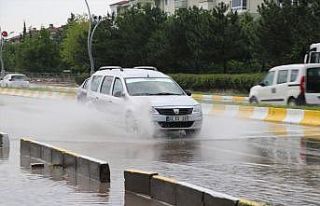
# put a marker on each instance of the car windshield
(152, 86)
(18, 78)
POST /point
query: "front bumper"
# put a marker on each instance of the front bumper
(194, 122)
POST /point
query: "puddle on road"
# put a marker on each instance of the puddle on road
(21, 185)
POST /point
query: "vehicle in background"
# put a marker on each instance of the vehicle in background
(313, 55)
(132, 93)
(295, 84)
(15, 80)
(82, 91)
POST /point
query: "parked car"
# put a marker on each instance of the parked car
(130, 92)
(294, 84)
(15, 80)
(82, 91)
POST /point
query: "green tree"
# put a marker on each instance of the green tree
(73, 48)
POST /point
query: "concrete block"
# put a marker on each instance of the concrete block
(35, 150)
(164, 189)
(57, 156)
(212, 198)
(189, 195)
(138, 181)
(70, 162)
(25, 147)
(93, 168)
(99, 171)
(46, 153)
(83, 166)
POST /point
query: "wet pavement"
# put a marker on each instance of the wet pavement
(263, 161)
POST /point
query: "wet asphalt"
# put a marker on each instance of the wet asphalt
(263, 161)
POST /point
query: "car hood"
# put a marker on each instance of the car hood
(166, 100)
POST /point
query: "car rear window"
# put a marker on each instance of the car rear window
(313, 80)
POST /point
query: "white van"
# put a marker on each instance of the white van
(294, 84)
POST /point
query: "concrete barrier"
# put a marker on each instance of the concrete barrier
(173, 192)
(4, 146)
(25, 92)
(86, 166)
(4, 140)
(164, 189)
(293, 116)
(138, 181)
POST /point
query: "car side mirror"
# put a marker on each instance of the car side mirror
(188, 92)
(119, 94)
(262, 84)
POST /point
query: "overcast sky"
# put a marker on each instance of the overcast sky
(37, 13)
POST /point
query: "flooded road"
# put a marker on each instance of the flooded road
(262, 161)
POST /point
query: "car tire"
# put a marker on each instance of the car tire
(253, 100)
(292, 102)
(192, 132)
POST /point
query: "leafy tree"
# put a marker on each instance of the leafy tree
(74, 49)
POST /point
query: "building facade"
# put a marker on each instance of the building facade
(170, 6)
(121, 6)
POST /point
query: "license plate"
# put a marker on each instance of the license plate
(177, 118)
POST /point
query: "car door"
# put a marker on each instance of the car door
(280, 89)
(105, 99)
(312, 93)
(265, 91)
(117, 98)
(92, 94)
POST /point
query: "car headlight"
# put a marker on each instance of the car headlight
(197, 109)
(154, 111)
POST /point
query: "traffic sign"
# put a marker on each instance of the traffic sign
(4, 34)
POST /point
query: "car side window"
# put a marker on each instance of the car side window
(85, 84)
(294, 75)
(106, 85)
(117, 87)
(95, 82)
(282, 76)
(268, 80)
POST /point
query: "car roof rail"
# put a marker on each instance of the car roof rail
(109, 68)
(146, 67)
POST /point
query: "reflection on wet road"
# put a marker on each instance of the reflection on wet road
(271, 162)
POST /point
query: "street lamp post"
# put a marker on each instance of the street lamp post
(97, 21)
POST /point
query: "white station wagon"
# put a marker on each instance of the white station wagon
(15, 80)
(289, 84)
(132, 92)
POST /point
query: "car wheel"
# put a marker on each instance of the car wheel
(192, 132)
(292, 102)
(253, 100)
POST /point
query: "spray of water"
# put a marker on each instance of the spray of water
(61, 120)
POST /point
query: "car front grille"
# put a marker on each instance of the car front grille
(175, 111)
(176, 124)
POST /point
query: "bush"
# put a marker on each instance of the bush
(80, 78)
(240, 83)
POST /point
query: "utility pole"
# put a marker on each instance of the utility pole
(2, 35)
(92, 20)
